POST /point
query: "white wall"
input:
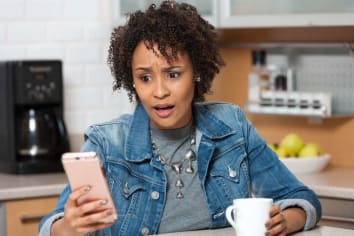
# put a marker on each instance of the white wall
(77, 32)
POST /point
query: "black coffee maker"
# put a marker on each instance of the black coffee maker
(32, 131)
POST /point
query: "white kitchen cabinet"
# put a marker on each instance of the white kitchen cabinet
(285, 13)
(257, 13)
(207, 8)
(337, 212)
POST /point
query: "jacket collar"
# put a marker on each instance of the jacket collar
(208, 124)
(138, 145)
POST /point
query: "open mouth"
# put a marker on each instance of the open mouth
(163, 111)
(164, 107)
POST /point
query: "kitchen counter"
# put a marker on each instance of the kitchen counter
(332, 182)
(319, 231)
(336, 182)
(26, 186)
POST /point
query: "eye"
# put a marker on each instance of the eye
(173, 75)
(145, 78)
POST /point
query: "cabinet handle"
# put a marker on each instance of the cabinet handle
(31, 218)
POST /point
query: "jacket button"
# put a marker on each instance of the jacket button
(145, 231)
(155, 195)
(232, 173)
(126, 188)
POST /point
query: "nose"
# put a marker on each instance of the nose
(161, 89)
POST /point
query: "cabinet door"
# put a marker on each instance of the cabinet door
(285, 13)
(23, 216)
(337, 212)
(207, 8)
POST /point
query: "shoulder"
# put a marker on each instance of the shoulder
(219, 109)
(110, 128)
(219, 114)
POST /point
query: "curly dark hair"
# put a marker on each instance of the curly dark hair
(174, 27)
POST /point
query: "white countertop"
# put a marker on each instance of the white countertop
(319, 231)
(26, 186)
(336, 182)
(332, 182)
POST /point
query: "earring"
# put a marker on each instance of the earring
(197, 80)
(133, 85)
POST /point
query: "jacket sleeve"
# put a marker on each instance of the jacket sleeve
(270, 177)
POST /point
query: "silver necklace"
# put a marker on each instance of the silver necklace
(178, 166)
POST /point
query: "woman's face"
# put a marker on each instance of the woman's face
(165, 90)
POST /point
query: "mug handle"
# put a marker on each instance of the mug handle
(229, 215)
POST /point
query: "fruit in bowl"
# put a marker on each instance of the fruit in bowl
(293, 143)
(300, 157)
(310, 150)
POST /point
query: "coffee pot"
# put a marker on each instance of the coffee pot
(33, 135)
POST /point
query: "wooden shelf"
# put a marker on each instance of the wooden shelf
(288, 35)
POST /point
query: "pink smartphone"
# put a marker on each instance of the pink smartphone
(84, 168)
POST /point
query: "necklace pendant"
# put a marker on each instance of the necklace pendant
(179, 195)
(179, 183)
(190, 155)
(189, 170)
(177, 167)
(192, 140)
(162, 159)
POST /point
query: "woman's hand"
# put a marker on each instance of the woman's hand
(81, 219)
(277, 224)
(285, 222)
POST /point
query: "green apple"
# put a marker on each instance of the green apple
(293, 143)
(282, 152)
(311, 150)
(273, 146)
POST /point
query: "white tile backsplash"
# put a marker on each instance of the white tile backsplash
(11, 52)
(84, 53)
(12, 9)
(99, 75)
(65, 31)
(26, 32)
(2, 34)
(82, 9)
(83, 98)
(45, 51)
(48, 9)
(74, 76)
(76, 32)
(95, 31)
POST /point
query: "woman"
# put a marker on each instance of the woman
(177, 163)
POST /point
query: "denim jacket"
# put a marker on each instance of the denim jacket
(233, 162)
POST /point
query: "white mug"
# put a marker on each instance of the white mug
(249, 215)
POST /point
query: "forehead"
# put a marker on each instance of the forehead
(143, 51)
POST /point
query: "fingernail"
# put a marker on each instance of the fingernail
(87, 189)
(103, 202)
(110, 212)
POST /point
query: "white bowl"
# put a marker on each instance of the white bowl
(306, 164)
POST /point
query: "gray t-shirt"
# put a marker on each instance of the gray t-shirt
(190, 212)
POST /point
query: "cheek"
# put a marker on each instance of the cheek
(142, 93)
(188, 93)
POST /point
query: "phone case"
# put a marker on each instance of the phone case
(84, 168)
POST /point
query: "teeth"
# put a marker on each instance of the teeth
(162, 108)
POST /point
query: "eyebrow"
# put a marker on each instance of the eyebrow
(165, 69)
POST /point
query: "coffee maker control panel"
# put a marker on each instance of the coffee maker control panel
(41, 83)
(40, 92)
